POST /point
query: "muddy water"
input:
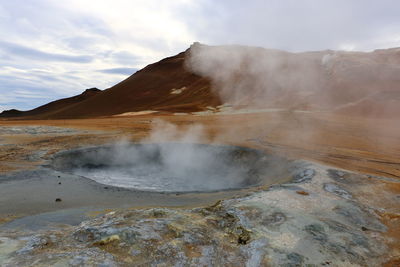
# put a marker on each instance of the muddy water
(35, 192)
(51, 197)
(174, 167)
(48, 196)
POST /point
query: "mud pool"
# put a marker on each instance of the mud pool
(174, 167)
(73, 183)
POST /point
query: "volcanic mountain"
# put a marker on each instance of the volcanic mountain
(162, 86)
(354, 83)
(53, 107)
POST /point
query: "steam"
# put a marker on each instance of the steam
(256, 76)
(170, 159)
(319, 81)
(163, 131)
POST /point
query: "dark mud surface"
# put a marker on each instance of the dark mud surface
(35, 192)
(174, 167)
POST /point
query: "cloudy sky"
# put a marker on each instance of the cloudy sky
(51, 49)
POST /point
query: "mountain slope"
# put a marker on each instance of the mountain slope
(350, 83)
(53, 107)
(162, 86)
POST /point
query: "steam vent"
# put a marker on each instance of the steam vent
(173, 167)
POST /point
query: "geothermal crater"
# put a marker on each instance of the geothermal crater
(173, 167)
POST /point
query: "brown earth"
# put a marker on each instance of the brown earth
(367, 145)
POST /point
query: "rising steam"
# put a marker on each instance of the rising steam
(171, 160)
(265, 78)
(246, 76)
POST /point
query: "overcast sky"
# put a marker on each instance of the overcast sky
(51, 49)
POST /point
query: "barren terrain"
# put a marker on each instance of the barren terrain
(350, 143)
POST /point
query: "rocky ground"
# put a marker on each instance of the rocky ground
(317, 219)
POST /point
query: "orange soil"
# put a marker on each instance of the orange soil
(363, 145)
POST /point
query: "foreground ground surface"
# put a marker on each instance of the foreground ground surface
(344, 214)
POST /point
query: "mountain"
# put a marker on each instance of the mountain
(162, 86)
(350, 83)
(54, 107)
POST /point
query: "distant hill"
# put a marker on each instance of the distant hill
(52, 108)
(349, 83)
(162, 86)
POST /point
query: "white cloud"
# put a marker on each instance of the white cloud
(136, 24)
(70, 41)
(347, 47)
(129, 34)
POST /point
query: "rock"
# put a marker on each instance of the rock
(108, 240)
(301, 192)
(33, 242)
(244, 236)
(317, 232)
(340, 176)
(255, 252)
(274, 219)
(359, 218)
(304, 176)
(335, 189)
(294, 259)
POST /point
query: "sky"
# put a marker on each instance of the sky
(53, 49)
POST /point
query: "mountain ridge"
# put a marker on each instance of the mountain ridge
(355, 83)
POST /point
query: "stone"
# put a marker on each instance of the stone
(304, 176)
(294, 259)
(335, 189)
(107, 240)
(317, 232)
(301, 192)
(274, 219)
